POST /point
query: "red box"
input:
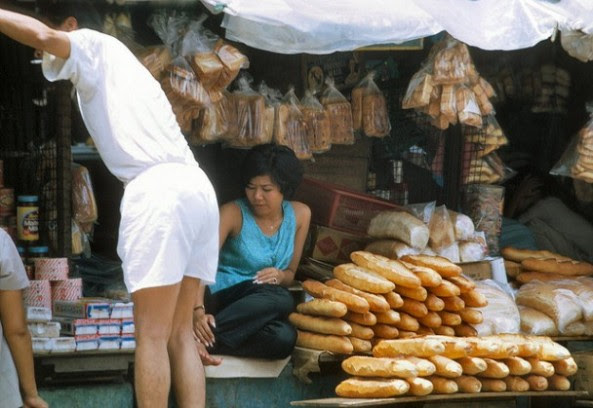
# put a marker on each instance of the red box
(338, 207)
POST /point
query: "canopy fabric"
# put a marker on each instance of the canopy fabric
(326, 26)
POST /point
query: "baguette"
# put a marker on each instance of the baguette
(564, 267)
(565, 367)
(444, 331)
(428, 277)
(468, 384)
(360, 345)
(385, 331)
(526, 347)
(389, 317)
(362, 279)
(414, 308)
(407, 323)
(443, 385)
(518, 255)
(513, 270)
(322, 325)
(494, 369)
(390, 269)
(424, 331)
(431, 320)
(327, 342)
(319, 290)
(377, 303)
(394, 299)
(455, 347)
(465, 330)
(549, 350)
(322, 307)
(443, 266)
(364, 319)
(517, 366)
(464, 284)
(528, 276)
(434, 303)
(446, 367)
(364, 366)
(419, 386)
(446, 289)
(417, 293)
(423, 366)
(471, 316)
(540, 367)
(537, 382)
(406, 334)
(493, 385)
(473, 298)
(453, 304)
(360, 331)
(472, 365)
(450, 319)
(418, 347)
(558, 383)
(371, 388)
(516, 384)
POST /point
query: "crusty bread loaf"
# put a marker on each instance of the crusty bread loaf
(464, 284)
(399, 225)
(513, 270)
(525, 347)
(390, 269)
(319, 324)
(353, 302)
(472, 365)
(434, 303)
(536, 322)
(446, 367)
(558, 383)
(444, 331)
(327, 342)
(516, 384)
(417, 293)
(390, 248)
(414, 308)
(442, 265)
(447, 289)
(364, 319)
(455, 347)
(428, 277)
(565, 367)
(465, 330)
(419, 386)
(560, 304)
(377, 303)
(423, 366)
(389, 317)
(407, 323)
(473, 298)
(450, 319)
(418, 347)
(494, 369)
(471, 316)
(519, 254)
(372, 388)
(443, 385)
(540, 367)
(322, 307)
(364, 366)
(360, 331)
(362, 279)
(517, 365)
(360, 345)
(394, 299)
(493, 385)
(425, 331)
(453, 304)
(566, 268)
(537, 382)
(385, 331)
(468, 384)
(432, 320)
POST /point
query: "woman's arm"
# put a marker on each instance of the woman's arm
(303, 218)
(12, 316)
(33, 33)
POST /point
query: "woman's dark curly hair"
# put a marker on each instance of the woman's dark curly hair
(278, 162)
(57, 11)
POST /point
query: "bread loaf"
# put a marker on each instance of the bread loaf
(394, 299)
(537, 382)
(432, 320)
(494, 369)
(425, 331)
(390, 269)
(528, 276)
(471, 316)
(443, 385)
(322, 307)
(371, 388)
(414, 308)
(540, 367)
(407, 323)
(565, 367)
(447, 289)
(423, 366)
(360, 331)
(517, 366)
(472, 365)
(389, 317)
(493, 385)
(567, 268)
(428, 277)
(418, 347)
(558, 383)
(516, 384)
(465, 330)
(318, 324)
(468, 384)
(319, 290)
(446, 367)
(399, 225)
(442, 265)
(390, 248)
(385, 331)
(453, 304)
(560, 304)
(362, 279)
(450, 319)
(360, 345)
(434, 303)
(327, 342)
(379, 367)
(464, 284)
(455, 347)
(519, 255)
(377, 303)
(525, 347)
(418, 293)
(364, 319)
(536, 322)
(419, 386)
(473, 298)
(444, 331)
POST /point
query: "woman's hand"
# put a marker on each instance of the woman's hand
(202, 327)
(34, 402)
(271, 276)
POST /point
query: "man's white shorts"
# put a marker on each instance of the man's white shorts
(169, 227)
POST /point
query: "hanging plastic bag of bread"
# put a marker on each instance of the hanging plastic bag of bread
(420, 88)
(289, 126)
(577, 159)
(369, 108)
(451, 62)
(317, 123)
(483, 96)
(442, 232)
(449, 103)
(340, 114)
(468, 111)
(84, 205)
(501, 314)
(251, 116)
(215, 122)
(484, 204)
(168, 27)
(232, 60)
(273, 98)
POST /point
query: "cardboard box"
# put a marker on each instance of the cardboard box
(83, 308)
(330, 245)
(489, 268)
(583, 379)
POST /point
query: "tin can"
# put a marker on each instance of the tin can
(27, 218)
(6, 201)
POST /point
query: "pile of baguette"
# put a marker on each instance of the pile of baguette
(447, 365)
(376, 298)
(556, 293)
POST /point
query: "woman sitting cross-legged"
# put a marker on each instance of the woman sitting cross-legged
(262, 237)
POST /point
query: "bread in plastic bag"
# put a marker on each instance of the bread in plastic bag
(462, 225)
(215, 122)
(501, 315)
(470, 251)
(252, 116)
(232, 61)
(197, 45)
(290, 127)
(391, 248)
(536, 323)
(418, 93)
(577, 159)
(451, 62)
(583, 288)
(155, 59)
(451, 252)
(577, 44)
(468, 111)
(340, 114)
(399, 225)
(484, 205)
(422, 211)
(84, 205)
(442, 233)
(369, 108)
(317, 123)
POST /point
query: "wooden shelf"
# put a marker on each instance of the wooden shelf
(376, 402)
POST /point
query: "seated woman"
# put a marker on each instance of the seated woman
(261, 237)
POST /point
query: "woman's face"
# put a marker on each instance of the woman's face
(264, 195)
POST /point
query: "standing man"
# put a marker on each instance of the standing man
(168, 236)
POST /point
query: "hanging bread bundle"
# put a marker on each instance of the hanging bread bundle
(339, 111)
(318, 125)
(290, 126)
(369, 108)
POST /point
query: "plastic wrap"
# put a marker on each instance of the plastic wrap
(501, 315)
(290, 127)
(463, 225)
(393, 249)
(470, 251)
(468, 111)
(484, 205)
(215, 122)
(252, 116)
(340, 114)
(442, 233)
(577, 44)
(84, 205)
(317, 123)
(156, 59)
(451, 63)
(418, 93)
(232, 61)
(369, 108)
(577, 159)
(536, 323)
(451, 252)
(422, 211)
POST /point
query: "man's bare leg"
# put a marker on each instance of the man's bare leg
(187, 372)
(154, 309)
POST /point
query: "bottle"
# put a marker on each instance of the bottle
(398, 189)
(27, 213)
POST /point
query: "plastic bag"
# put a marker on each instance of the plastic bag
(317, 123)
(484, 205)
(422, 211)
(251, 116)
(393, 249)
(155, 59)
(340, 114)
(483, 96)
(450, 252)
(577, 159)
(272, 98)
(232, 60)
(577, 44)
(501, 315)
(536, 323)
(442, 233)
(462, 225)
(470, 251)
(84, 206)
(369, 108)
(468, 111)
(215, 122)
(451, 62)
(289, 126)
(418, 93)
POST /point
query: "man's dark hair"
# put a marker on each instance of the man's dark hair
(278, 162)
(56, 11)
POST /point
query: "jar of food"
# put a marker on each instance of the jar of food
(27, 213)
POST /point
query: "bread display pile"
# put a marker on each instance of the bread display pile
(377, 298)
(446, 365)
(556, 293)
(440, 232)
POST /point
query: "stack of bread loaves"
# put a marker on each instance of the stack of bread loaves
(556, 296)
(446, 365)
(377, 298)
